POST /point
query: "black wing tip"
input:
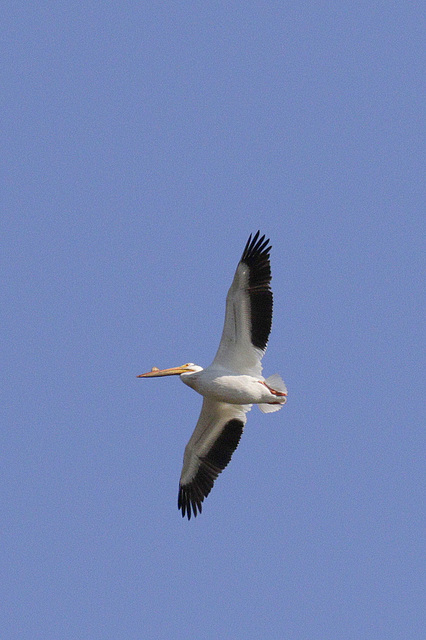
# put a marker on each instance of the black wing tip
(256, 246)
(188, 502)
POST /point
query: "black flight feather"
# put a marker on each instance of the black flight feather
(256, 257)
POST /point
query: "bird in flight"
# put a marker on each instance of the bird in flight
(234, 381)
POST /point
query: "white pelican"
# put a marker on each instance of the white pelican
(234, 381)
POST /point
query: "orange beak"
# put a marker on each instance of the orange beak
(157, 373)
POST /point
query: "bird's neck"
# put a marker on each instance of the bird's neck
(190, 379)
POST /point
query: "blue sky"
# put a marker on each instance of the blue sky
(142, 143)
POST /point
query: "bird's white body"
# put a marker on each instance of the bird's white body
(234, 381)
(228, 386)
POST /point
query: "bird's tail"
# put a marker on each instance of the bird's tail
(275, 383)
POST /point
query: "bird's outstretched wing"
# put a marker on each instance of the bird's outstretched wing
(248, 316)
(210, 448)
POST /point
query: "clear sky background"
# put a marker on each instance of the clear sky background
(141, 143)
